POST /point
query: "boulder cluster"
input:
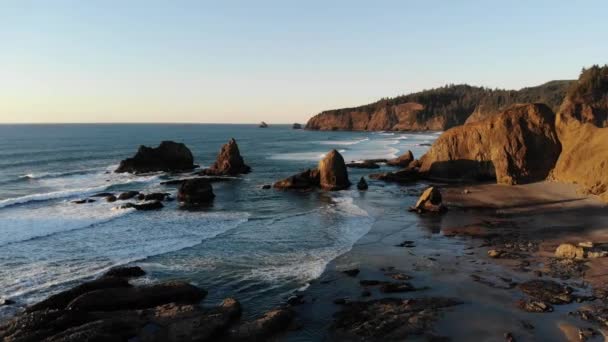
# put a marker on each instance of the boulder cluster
(111, 309)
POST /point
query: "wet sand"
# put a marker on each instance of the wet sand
(537, 217)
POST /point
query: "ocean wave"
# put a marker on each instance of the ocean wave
(343, 142)
(43, 175)
(41, 197)
(78, 255)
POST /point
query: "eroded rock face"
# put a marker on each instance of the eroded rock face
(517, 146)
(229, 162)
(195, 192)
(168, 156)
(403, 160)
(582, 127)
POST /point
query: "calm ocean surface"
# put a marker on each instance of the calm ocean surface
(253, 244)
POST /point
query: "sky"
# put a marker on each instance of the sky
(278, 61)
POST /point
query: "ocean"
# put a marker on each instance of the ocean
(253, 244)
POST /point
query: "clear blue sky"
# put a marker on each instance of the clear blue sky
(278, 61)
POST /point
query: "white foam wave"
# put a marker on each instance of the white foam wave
(63, 258)
(343, 142)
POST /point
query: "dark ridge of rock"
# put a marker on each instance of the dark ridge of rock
(263, 125)
(296, 126)
(111, 198)
(156, 196)
(83, 201)
(229, 162)
(407, 175)
(127, 195)
(403, 160)
(333, 174)
(168, 156)
(154, 205)
(62, 299)
(302, 181)
(125, 272)
(103, 194)
(210, 179)
(582, 128)
(195, 192)
(366, 164)
(362, 185)
(517, 146)
(387, 319)
(436, 109)
(430, 202)
(113, 299)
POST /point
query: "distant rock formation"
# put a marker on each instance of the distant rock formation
(168, 156)
(195, 192)
(436, 109)
(362, 185)
(582, 127)
(263, 125)
(229, 162)
(296, 126)
(517, 146)
(331, 175)
(403, 160)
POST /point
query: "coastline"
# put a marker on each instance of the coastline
(453, 266)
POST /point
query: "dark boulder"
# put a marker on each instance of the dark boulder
(407, 175)
(113, 299)
(168, 156)
(296, 126)
(125, 272)
(127, 195)
(83, 201)
(62, 299)
(430, 201)
(154, 205)
(263, 125)
(229, 162)
(111, 198)
(195, 192)
(366, 164)
(362, 185)
(156, 196)
(263, 328)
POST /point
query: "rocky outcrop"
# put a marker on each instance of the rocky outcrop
(429, 202)
(296, 126)
(229, 162)
(331, 175)
(306, 180)
(263, 125)
(582, 129)
(195, 192)
(365, 164)
(362, 185)
(405, 176)
(168, 156)
(152, 205)
(332, 172)
(403, 160)
(517, 146)
(436, 109)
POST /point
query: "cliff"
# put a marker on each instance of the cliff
(520, 145)
(582, 127)
(436, 109)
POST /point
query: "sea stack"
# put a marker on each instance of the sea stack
(263, 125)
(168, 156)
(333, 173)
(296, 126)
(229, 162)
(195, 192)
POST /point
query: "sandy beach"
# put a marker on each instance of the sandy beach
(527, 222)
